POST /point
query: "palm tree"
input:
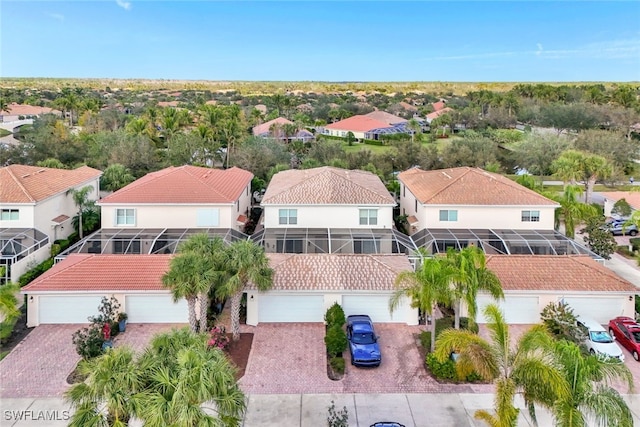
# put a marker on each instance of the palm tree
(9, 309)
(106, 398)
(181, 375)
(591, 396)
(116, 176)
(416, 128)
(471, 275)
(426, 287)
(529, 368)
(185, 279)
(245, 263)
(571, 210)
(212, 252)
(81, 199)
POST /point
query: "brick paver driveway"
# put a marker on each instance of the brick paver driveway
(40, 364)
(291, 358)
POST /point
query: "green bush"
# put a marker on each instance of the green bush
(6, 328)
(635, 243)
(88, 341)
(36, 271)
(55, 249)
(337, 364)
(446, 370)
(335, 316)
(373, 142)
(335, 340)
(624, 251)
(442, 324)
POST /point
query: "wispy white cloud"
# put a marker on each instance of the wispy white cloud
(613, 49)
(56, 16)
(126, 5)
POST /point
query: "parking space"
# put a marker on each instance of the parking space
(290, 359)
(40, 364)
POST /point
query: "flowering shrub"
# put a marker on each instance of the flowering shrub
(218, 338)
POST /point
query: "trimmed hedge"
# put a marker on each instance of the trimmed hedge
(447, 370)
(335, 340)
(635, 243)
(337, 364)
(36, 271)
(335, 316)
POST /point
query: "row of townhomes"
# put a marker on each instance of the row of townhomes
(329, 235)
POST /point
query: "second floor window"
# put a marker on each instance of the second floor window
(448, 215)
(125, 217)
(288, 216)
(368, 217)
(530, 216)
(10, 215)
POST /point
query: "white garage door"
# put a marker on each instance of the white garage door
(67, 309)
(376, 306)
(516, 309)
(290, 308)
(156, 309)
(600, 309)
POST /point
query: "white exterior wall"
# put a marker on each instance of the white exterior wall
(25, 216)
(168, 216)
(338, 132)
(30, 261)
(545, 298)
(408, 207)
(495, 217)
(332, 216)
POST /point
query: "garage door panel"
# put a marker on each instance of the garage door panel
(156, 309)
(290, 308)
(516, 309)
(601, 309)
(376, 306)
(67, 309)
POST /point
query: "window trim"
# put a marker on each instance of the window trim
(125, 216)
(528, 215)
(368, 218)
(10, 212)
(450, 217)
(286, 219)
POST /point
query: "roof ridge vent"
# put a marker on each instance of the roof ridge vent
(446, 174)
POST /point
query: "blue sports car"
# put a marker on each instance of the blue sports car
(363, 342)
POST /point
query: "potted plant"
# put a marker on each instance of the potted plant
(122, 321)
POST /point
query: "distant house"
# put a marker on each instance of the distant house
(275, 129)
(369, 126)
(166, 104)
(181, 197)
(23, 111)
(471, 198)
(611, 197)
(530, 283)
(408, 107)
(37, 208)
(432, 116)
(440, 105)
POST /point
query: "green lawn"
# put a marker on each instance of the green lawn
(375, 149)
(4, 132)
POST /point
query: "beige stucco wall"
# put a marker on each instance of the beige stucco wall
(343, 133)
(331, 216)
(26, 217)
(168, 216)
(30, 261)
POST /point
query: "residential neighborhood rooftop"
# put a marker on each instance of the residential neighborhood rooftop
(556, 273)
(469, 186)
(358, 123)
(30, 184)
(184, 184)
(265, 127)
(336, 271)
(385, 117)
(632, 197)
(326, 186)
(15, 109)
(89, 272)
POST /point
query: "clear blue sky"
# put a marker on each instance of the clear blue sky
(328, 41)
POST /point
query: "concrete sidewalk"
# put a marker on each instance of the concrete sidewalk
(311, 410)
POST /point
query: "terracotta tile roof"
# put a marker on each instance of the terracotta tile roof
(184, 184)
(412, 220)
(326, 186)
(385, 117)
(29, 184)
(469, 186)
(60, 219)
(576, 273)
(264, 128)
(408, 106)
(357, 124)
(27, 110)
(440, 105)
(93, 272)
(242, 219)
(336, 272)
(632, 197)
(438, 113)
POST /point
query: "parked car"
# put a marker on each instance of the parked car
(598, 341)
(363, 342)
(387, 424)
(618, 228)
(627, 332)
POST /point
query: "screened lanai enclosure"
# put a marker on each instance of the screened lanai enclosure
(17, 244)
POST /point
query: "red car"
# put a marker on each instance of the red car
(627, 332)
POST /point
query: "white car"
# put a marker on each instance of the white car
(598, 341)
